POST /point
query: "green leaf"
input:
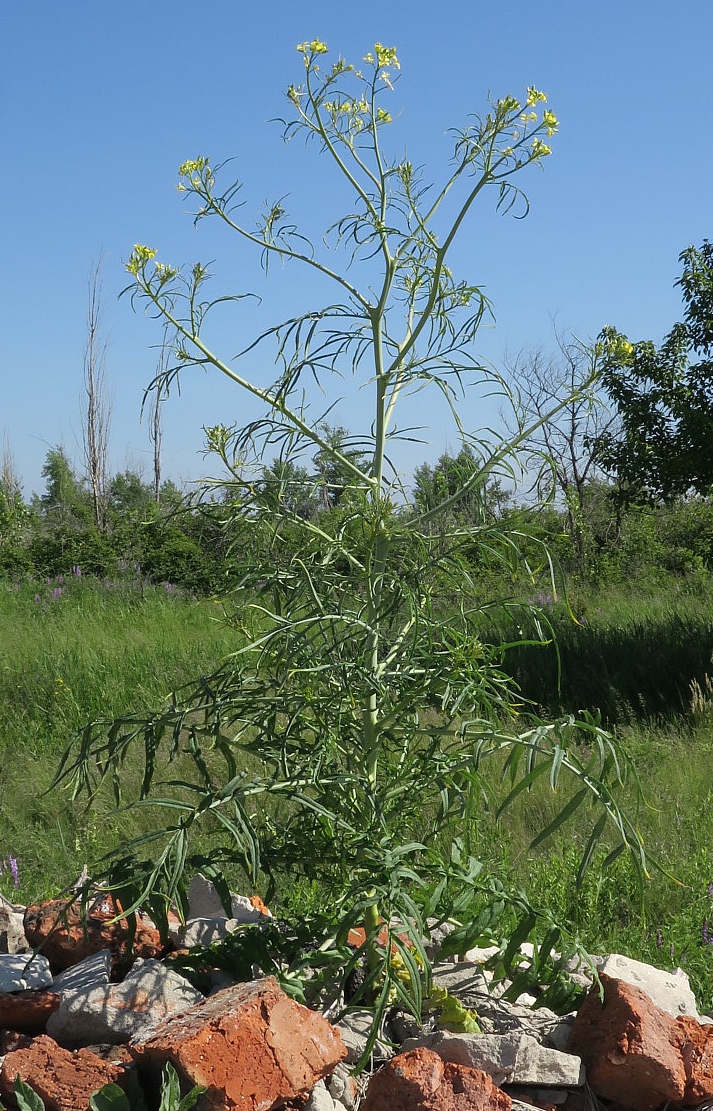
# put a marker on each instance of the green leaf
(27, 1098)
(110, 1098)
(574, 803)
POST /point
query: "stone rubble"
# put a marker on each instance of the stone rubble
(86, 1010)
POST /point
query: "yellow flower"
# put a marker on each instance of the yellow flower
(139, 257)
(534, 95)
(540, 149)
(386, 55)
(192, 166)
(550, 121)
(314, 47)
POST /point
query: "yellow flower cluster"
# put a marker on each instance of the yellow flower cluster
(139, 257)
(314, 47)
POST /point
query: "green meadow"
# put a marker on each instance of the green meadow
(74, 648)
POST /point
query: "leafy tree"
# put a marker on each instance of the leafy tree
(66, 501)
(436, 484)
(327, 707)
(664, 396)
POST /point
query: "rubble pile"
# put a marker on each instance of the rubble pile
(87, 1001)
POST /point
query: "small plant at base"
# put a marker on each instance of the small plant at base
(114, 1098)
(359, 707)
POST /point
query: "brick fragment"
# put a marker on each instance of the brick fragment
(252, 1047)
(62, 1079)
(56, 928)
(631, 1049)
(27, 1012)
(420, 1080)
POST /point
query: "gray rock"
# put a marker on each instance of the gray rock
(467, 982)
(92, 972)
(354, 1028)
(12, 928)
(114, 1013)
(205, 931)
(464, 979)
(671, 991)
(20, 971)
(507, 1058)
(344, 1088)
(518, 1105)
(320, 1099)
(204, 902)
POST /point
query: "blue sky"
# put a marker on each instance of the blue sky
(100, 103)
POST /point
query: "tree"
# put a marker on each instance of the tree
(664, 399)
(98, 405)
(155, 413)
(14, 514)
(327, 708)
(434, 485)
(567, 442)
(66, 502)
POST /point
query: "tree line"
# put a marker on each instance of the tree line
(626, 489)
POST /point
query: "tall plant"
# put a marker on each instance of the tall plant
(344, 740)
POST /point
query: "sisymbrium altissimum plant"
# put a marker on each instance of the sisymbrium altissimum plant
(344, 740)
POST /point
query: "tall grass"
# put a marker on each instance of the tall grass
(629, 657)
(99, 648)
(72, 649)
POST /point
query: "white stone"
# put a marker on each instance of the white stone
(92, 972)
(354, 1028)
(205, 931)
(671, 991)
(507, 1058)
(204, 902)
(320, 1099)
(20, 971)
(113, 1013)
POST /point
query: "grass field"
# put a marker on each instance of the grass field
(80, 648)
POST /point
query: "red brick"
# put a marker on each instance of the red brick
(252, 1046)
(420, 1080)
(27, 1011)
(631, 1049)
(63, 1080)
(57, 929)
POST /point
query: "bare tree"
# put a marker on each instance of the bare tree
(97, 406)
(10, 484)
(158, 396)
(569, 439)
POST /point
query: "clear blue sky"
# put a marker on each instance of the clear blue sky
(101, 102)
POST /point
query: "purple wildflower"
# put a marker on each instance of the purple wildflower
(77, 572)
(659, 939)
(37, 599)
(10, 863)
(57, 592)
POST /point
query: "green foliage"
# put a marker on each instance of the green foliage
(27, 1098)
(664, 399)
(624, 660)
(347, 737)
(70, 651)
(114, 1098)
